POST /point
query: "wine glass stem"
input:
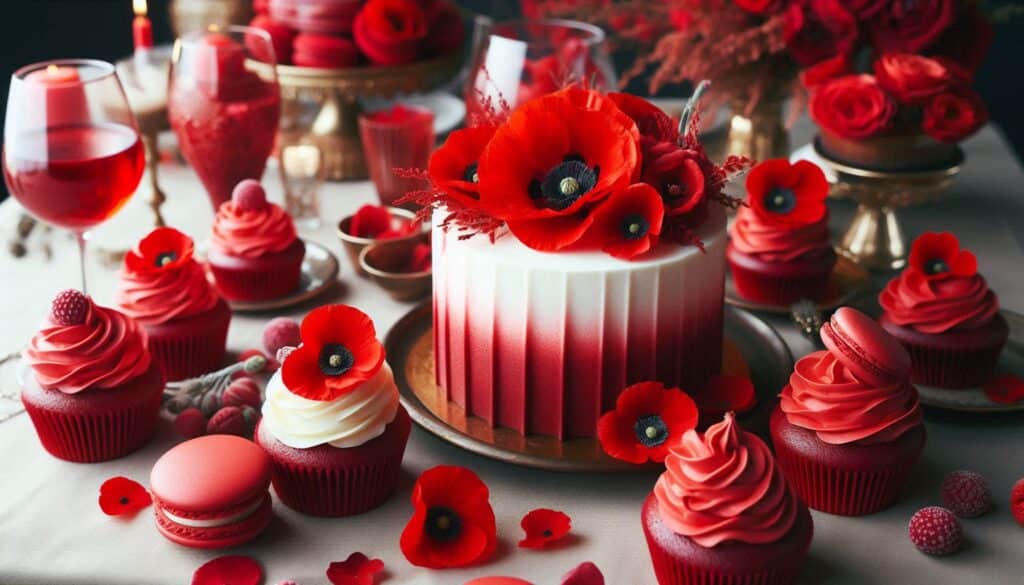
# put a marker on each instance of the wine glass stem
(81, 238)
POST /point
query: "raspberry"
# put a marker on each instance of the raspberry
(1017, 501)
(228, 421)
(271, 366)
(249, 196)
(71, 307)
(935, 531)
(584, 574)
(966, 494)
(283, 353)
(190, 423)
(242, 392)
(280, 332)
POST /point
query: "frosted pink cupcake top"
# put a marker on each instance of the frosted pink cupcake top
(249, 226)
(725, 486)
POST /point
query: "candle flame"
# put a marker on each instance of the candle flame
(139, 7)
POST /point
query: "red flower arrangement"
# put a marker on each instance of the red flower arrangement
(164, 249)
(120, 496)
(938, 255)
(647, 421)
(452, 523)
(787, 194)
(339, 352)
(233, 569)
(357, 569)
(544, 527)
(578, 169)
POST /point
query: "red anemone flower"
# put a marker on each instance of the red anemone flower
(357, 569)
(164, 249)
(553, 161)
(233, 569)
(652, 122)
(790, 195)
(452, 523)
(938, 255)
(628, 223)
(724, 393)
(543, 527)
(678, 176)
(120, 496)
(339, 352)
(453, 167)
(648, 420)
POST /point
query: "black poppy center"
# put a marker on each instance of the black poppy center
(165, 258)
(936, 266)
(443, 524)
(547, 533)
(124, 500)
(635, 226)
(335, 359)
(470, 175)
(780, 200)
(651, 430)
(564, 184)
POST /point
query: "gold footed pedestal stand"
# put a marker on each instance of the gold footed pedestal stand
(875, 238)
(151, 124)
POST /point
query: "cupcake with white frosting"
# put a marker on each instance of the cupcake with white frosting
(332, 423)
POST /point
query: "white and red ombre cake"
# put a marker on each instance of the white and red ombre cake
(544, 343)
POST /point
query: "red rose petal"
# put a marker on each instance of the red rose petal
(229, 570)
(584, 574)
(543, 527)
(120, 496)
(357, 569)
(1005, 389)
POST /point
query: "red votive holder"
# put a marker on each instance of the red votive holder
(401, 137)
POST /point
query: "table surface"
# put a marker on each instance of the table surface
(52, 531)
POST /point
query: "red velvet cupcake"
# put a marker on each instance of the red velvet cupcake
(848, 429)
(332, 423)
(724, 514)
(166, 291)
(780, 250)
(94, 391)
(255, 254)
(944, 314)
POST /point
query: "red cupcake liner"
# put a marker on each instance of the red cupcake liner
(189, 351)
(671, 570)
(772, 290)
(255, 284)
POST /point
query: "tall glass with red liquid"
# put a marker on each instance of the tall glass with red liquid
(72, 154)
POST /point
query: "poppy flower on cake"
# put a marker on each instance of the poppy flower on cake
(453, 166)
(232, 569)
(648, 420)
(628, 223)
(555, 159)
(163, 249)
(452, 523)
(120, 496)
(339, 352)
(652, 122)
(785, 194)
(357, 569)
(937, 255)
(543, 527)
(677, 175)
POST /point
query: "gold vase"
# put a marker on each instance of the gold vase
(762, 134)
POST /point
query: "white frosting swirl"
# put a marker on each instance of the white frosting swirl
(350, 421)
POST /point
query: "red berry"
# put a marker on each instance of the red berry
(249, 196)
(242, 392)
(966, 494)
(1017, 501)
(283, 353)
(280, 332)
(190, 423)
(71, 307)
(229, 420)
(935, 531)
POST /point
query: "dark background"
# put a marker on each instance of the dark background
(35, 30)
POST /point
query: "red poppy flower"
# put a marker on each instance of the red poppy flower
(452, 523)
(584, 574)
(229, 570)
(627, 224)
(453, 167)
(789, 195)
(357, 569)
(648, 419)
(164, 249)
(370, 221)
(553, 161)
(339, 352)
(120, 496)
(815, 30)
(652, 122)
(724, 393)
(938, 255)
(1005, 389)
(677, 174)
(543, 527)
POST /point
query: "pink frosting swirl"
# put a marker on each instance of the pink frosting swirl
(773, 243)
(725, 486)
(153, 294)
(938, 303)
(252, 233)
(105, 351)
(825, 397)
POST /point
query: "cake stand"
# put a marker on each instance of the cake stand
(337, 91)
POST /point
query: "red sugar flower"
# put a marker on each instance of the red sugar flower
(357, 569)
(1005, 389)
(452, 523)
(339, 352)
(229, 570)
(543, 527)
(627, 224)
(790, 195)
(120, 496)
(453, 166)
(163, 249)
(652, 122)
(938, 255)
(370, 221)
(648, 419)
(724, 393)
(678, 176)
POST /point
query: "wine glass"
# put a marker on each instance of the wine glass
(72, 152)
(224, 104)
(515, 61)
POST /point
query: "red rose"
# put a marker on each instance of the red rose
(852, 107)
(954, 115)
(910, 27)
(389, 32)
(864, 9)
(823, 71)
(815, 30)
(446, 32)
(967, 41)
(760, 6)
(912, 79)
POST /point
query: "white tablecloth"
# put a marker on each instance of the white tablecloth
(53, 533)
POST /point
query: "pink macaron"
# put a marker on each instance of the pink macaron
(865, 348)
(212, 492)
(323, 51)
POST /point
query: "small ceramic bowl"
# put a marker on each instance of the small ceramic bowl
(353, 245)
(383, 261)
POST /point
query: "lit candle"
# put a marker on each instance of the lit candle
(60, 89)
(142, 29)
